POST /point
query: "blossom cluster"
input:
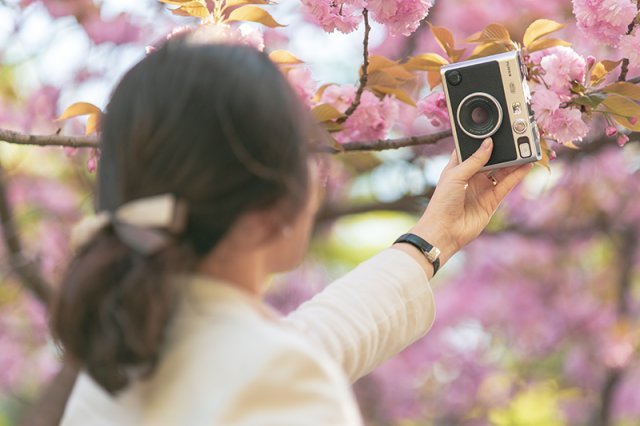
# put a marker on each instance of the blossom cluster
(434, 107)
(372, 119)
(559, 67)
(605, 20)
(400, 16)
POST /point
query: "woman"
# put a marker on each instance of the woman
(204, 190)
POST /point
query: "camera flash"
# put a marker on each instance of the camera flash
(512, 87)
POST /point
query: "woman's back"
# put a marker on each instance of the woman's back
(227, 360)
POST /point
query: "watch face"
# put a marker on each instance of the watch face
(433, 254)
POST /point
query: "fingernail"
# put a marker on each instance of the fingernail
(486, 144)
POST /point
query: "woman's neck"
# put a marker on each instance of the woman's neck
(245, 269)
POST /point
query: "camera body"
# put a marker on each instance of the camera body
(490, 97)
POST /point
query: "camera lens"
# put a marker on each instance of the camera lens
(479, 115)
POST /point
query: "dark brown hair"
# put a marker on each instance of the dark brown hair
(217, 126)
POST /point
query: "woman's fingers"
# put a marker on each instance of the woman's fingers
(453, 161)
(510, 178)
(500, 174)
(473, 164)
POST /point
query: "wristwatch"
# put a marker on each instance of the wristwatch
(431, 252)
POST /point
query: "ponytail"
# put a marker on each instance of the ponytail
(114, 306)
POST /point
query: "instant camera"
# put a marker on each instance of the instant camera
(490, 97)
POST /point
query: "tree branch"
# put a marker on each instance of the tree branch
(25, 269)
(407, 204)
(364, 77)
(627, 248)
(17, 138)
(385, 144)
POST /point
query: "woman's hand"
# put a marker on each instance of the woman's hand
(464, 201)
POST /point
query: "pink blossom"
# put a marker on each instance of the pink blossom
(561, 66)
(302, 82)
(630, 47)
(610, 131)
(561, 124)
(331, 15)
(120, 30)
(400, 16)
(92, 164)
(12, 359)
(58, 9)
(544, 102)
(605, 20)
(339, 96)
(434, 106)
(622, 139)
(566, 125)
(372, 119)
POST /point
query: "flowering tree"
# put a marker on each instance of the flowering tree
(538, 322)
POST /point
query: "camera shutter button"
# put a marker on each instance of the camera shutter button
(520, 126)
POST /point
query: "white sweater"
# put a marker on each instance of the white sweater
(229, 360)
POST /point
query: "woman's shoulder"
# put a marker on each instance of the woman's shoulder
(228, 363)
(234, 362)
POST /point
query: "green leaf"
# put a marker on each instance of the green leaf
(493, 32)
(426, 62)
(320, 92)
(84, 108)
(490, 48)
(325, 112)
(592, 101)
(78, 109)
(546, 43)
(253, 14)
(624, 88)
(196, 8)
(601, 70)
(434, 79)
(233, 3)
(379, 62)
(445, 40)
(622, 106)
(284, 57)
(400, 94)
(539, 29)
(624, 122)
(175, 2)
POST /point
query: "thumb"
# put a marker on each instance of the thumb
(473, 164)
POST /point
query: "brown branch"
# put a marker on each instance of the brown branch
(385, 144)
(25, 269)
(407, 204)
(364, 77)
(627, 248)
(17, 138)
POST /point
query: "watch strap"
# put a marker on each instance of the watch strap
(423, 246)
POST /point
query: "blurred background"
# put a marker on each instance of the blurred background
(538, 320)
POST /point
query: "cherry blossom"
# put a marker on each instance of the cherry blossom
(606, 20)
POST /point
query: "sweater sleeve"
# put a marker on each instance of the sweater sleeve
(370, 314)
(295, 388)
